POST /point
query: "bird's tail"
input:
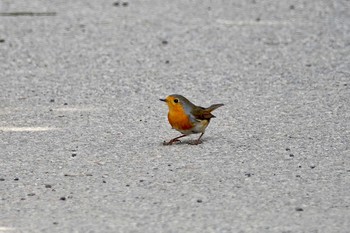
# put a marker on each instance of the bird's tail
(213, 107)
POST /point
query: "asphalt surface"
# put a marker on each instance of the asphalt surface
(81, 126)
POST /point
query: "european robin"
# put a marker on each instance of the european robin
(188, 118)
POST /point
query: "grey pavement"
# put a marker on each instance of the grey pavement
(81, 126)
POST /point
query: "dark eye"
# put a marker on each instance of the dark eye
(176, 100)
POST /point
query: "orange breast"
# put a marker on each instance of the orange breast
(178, 119)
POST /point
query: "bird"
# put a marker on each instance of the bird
(187, 118)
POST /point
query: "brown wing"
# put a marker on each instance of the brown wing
(201, 113)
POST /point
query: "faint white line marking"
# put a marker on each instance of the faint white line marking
(3, 229)
(26, 129)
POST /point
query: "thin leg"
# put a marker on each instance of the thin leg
(198, 141)
(173, 140)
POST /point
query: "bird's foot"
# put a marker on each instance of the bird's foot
(170, 142)
(195, 142)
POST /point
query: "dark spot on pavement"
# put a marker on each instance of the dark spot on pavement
(16, 179)
(164, 42)
(312, 166)
(74, 154)
(291, 155)
(48, 186)
(2, 179)
(287, 149)
(125, 4)
(30, 194)
(62, 198)
(2, 40)
(116, 4)
(52, 100)
(199, 201)
(299, 209)
(291, 7)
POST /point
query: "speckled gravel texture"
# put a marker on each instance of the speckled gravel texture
(82, 127)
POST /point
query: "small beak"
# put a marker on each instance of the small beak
(164, 100)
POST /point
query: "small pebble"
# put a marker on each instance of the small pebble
(48, 186)
(291, 155)
(312, 166)
(30, 194)
(199, 201)
(2, 40)
(65, 104)
(63, 198)
(299, 209)
(287, 149)
(74, 154)
(2, 179)
(164, 42)
(16, 179)
(52, 100)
